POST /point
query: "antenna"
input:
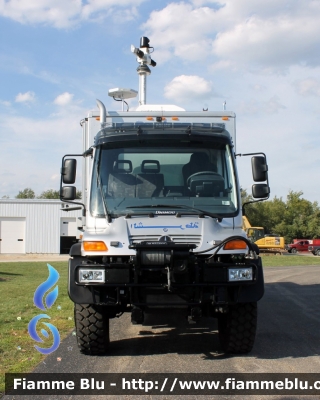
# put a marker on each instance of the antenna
(144, 59)
(122, 94)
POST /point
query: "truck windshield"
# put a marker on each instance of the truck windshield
(140, 177)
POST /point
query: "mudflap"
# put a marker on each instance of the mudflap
(253, 293)
(78, 294)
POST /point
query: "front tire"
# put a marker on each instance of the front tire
(294, 251)
(237, 328)
(92, 328)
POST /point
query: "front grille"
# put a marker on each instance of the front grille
(185, 239)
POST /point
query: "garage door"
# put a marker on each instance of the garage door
(68, 227)
(68, 234)
(12, 235)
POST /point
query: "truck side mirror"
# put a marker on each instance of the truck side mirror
(68, 171)
(259, 168)
(68, 193)
(260, 191)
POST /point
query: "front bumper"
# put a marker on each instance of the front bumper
(170, 276)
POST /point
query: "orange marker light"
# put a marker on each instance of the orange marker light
(175, 119)
(225, 118)
(98, 118)
(94, 246)
(149, 118)
(235, 245)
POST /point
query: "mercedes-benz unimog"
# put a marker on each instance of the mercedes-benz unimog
(162, 219)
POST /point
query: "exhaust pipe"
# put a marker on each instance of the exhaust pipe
(103, 112)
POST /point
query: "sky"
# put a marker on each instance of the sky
(261, 57)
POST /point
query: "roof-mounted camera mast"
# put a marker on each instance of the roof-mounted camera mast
(144, 59)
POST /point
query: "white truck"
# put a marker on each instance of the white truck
(162, 219)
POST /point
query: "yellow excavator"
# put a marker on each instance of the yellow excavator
(265, 242)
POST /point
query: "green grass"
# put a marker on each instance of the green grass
(18, 282)
(272, 260)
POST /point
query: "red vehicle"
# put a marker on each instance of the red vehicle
(314, 248)
(302, 245)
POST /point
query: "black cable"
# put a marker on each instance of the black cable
(123, 101)
(220, 245)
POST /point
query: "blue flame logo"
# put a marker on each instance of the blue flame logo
(49, 301)
(44, 287)
(33, 333)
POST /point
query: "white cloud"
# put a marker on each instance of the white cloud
(273, 105)
(181, 29)
(258, 88)
(269, 36)
(187, 88)
(55, 177)
(27, 97)
(65, 14)
(276, 43)
(43, 75)
(5, 103)
(307, 87)
(261, 107)
(63, 99)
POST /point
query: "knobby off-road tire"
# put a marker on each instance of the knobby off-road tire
(237, 328)
(92, 328)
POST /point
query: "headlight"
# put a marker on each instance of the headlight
(240, 274)
(91, 275)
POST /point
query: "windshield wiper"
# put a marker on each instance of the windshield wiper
(178, 207)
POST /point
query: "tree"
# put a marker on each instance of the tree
(50, 194)
(55, 194)
(298, 217)
(245, 196)
(47, 194)
(294, 218)
(26, 193)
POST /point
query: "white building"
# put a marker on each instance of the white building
(37, 226)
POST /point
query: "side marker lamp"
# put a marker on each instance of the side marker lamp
(91, 275)
(235, 245)
(94, 246)
(240, 274)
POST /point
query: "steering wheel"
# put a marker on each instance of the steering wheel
(200, 173)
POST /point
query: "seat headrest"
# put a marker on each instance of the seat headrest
(122, 166)
(150, 166)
